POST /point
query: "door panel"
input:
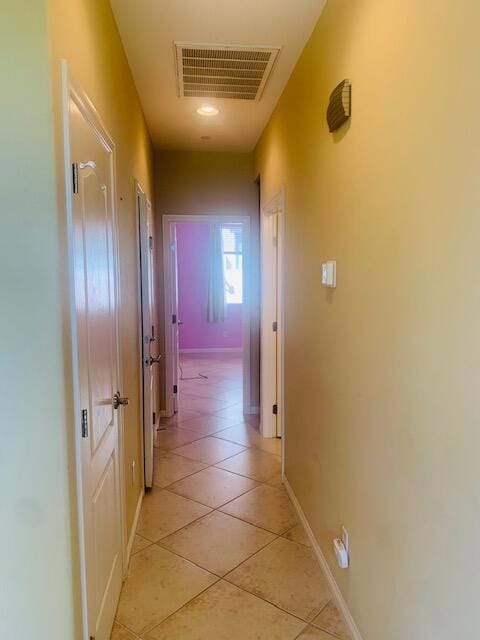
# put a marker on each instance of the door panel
(100, 318)
(97, 352)
(154, 343)
(103, 535)
(148, 331)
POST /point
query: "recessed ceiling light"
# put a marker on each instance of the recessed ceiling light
(207, 110)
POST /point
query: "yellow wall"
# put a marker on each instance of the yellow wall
(36, 585)
(382, 374)
(39, 586)
(196, 182)
(84, 32)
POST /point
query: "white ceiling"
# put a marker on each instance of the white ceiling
(149, 28)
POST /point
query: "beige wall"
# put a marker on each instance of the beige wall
(196, 182)
(382, 373)
(84, 32)
(36, 586)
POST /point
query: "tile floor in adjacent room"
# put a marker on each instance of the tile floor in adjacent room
(219, 554)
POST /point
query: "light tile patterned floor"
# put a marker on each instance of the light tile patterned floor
(219, 553)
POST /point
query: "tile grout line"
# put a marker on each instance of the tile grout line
(186, 603)
(137, 637)
(218, 509)
(213, 572)
(215, 465)
(308, 623)
(208, 505)
(216, 434)
(218, 461)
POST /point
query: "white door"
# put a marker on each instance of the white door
(269, 357)
(149, 359)
(172, 344)
(95, 294)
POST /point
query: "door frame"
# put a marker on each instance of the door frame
(275, 206)
(70, 90)
(169, 219)
(139, 191)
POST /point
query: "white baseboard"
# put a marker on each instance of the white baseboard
(337, 594)
(214, 350)
(131, 539)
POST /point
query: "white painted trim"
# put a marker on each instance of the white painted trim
(167, 319)
(133, 531)
(332, 583)
(268, 370)
(66, 87)
(245, 221)
(139, 191)
(71, 90)
(214, 350)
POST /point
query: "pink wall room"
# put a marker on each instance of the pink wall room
(193, 245)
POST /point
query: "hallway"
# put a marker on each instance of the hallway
(218, 552)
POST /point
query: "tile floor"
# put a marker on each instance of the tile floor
(219, 553)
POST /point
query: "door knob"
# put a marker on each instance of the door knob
(118, 401)
(151, 360)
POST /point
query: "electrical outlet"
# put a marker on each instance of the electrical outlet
(346, 539)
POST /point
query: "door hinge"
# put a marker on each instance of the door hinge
(275, 409)
(75, 177)
(150, 242)
(175, 388)
(154, 417)
(274, 326)
(84, 423)
(174, 318)
(152, 338)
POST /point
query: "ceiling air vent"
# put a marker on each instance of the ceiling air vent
(223, 71)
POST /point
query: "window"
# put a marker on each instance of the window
(233, 263)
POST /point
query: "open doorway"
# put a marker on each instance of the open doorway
(207, 316)
(210, 313)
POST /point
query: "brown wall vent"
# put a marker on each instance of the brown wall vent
(223, 71)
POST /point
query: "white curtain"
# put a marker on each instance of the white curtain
(216, 277)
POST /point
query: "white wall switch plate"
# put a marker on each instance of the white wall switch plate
(340, 553)
(329, 274)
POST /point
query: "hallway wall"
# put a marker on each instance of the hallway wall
(197, 182)
(36, 587)
(193, 246)
(382, 372)
(85, 33)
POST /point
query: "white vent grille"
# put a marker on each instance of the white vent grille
(223, 71)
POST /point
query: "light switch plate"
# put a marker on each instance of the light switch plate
(329, 274)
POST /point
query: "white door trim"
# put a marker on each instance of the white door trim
(275, 206)
(139, 192)
(169, 219)
(72, 91)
